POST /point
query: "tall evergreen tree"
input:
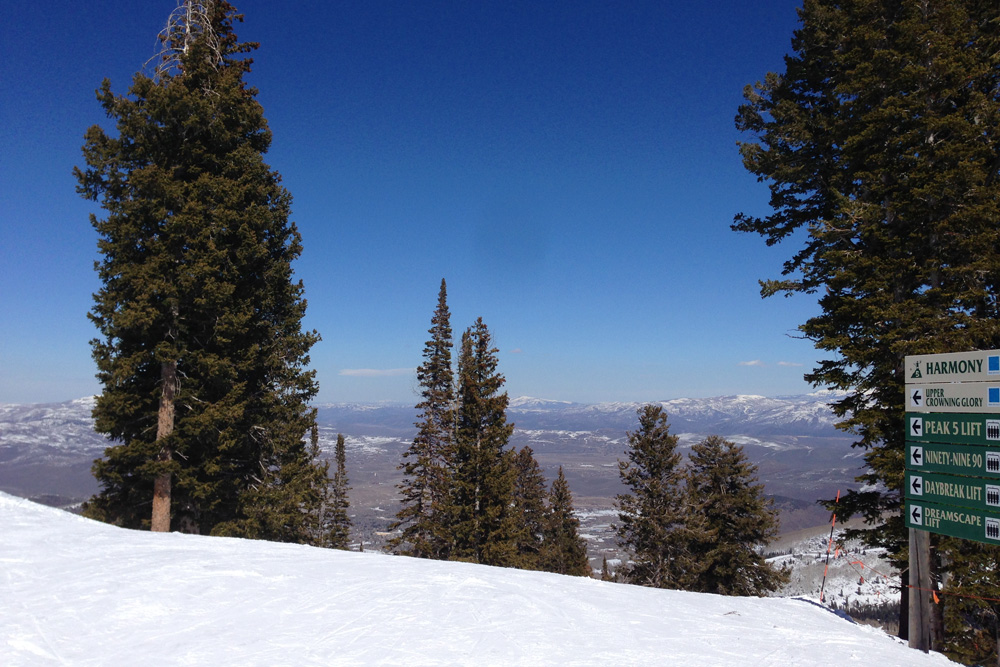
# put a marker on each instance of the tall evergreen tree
(201, 352)
(339, 503)
(654, 516)
(723, 488)
(530, 510)
(481, 520)
(565, 552)
(424, 487)
(972, 619)
(880, 143)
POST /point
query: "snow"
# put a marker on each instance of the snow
(532, 403)
(77, 592)
(855, 575)
(358, 444)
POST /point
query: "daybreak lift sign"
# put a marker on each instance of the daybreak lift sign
(953, 444)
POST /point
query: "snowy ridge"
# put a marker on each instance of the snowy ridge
(47, 450)
(808, 414)
(63, 428)
(57, 430)
(68, 426)
(526, 403)
(364, 444)
(79, 592)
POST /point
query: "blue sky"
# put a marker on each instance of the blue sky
(569, 167)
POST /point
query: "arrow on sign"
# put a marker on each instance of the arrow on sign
(916, 484)
(917, 398)
(916, 426)
(916, 453)
(917, 515)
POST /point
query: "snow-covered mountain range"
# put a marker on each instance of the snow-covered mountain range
(59, 432)
(807, 414)
(800, 454)
(46, 450)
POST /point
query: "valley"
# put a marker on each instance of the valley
(46, 451)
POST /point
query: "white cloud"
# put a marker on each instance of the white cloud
(788, 363)
(516, 350)
(376, 372)
(755, 362)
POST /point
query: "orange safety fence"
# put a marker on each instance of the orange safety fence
(899, 586)
(829, 544)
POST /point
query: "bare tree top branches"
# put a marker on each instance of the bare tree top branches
(186, 23)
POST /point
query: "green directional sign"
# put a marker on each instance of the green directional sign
(952, 449)
(972, 492)
(958, 428)
(978, 366)
(970, 460)
(961, 522)
(959, 397)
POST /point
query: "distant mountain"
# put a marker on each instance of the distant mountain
(46, 450)
(368, 418)
(807, 414)
(58, 430)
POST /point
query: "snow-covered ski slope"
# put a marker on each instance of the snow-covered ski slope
(76, 592)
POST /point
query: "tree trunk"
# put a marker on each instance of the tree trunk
(164, 427)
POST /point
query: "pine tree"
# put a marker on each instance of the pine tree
(530, 509)
(606, 571)
(201, 353)
(740, 521)
(972, 618)
(481, 521)
(654, 515)
(285, 501)
(318, 524)
(879, 142)
(339, 521)
(424, 486)
(565, 552)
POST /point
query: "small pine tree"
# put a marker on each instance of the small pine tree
(656, 523)
(481, 520)
(339, 503)
(424, 487)
(972, 613)
(606, 571)
(565, 552)
(740, 520)
(530, 509)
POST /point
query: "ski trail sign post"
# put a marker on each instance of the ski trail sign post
(952, 484)
(953, 443)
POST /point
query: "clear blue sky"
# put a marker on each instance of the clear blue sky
(569, 167)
